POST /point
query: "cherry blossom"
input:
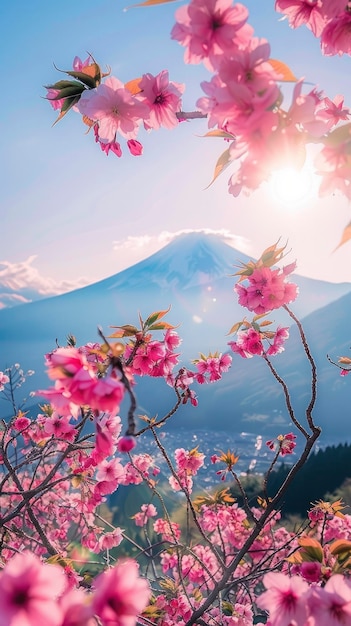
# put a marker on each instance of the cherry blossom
(284, 598)
(29, 590)
(120, 594)
(114, 108)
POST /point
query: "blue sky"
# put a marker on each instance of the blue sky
(71, 216)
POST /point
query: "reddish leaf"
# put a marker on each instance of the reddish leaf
(285, 73)
(221, 165)
(153, 317)
(346, 236)
(148, 3)
(133, 86)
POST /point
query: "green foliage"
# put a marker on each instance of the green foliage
(325, 471)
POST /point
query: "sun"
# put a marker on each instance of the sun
(292, 188)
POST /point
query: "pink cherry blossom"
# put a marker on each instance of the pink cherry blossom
(210, 28)
(163, 98)
(28, 592)
(284, 443)
(126, 444)
(76, 611)
(285, 599)
(109, 540)
(335, 38)
(114, 108)
(4, 379)
(120, 595)
(331, 605)
(147, 510)
(311, 571)
(308, 12)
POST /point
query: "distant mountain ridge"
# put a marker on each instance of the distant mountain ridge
(194, 275)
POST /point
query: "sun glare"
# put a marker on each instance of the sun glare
(291, 187)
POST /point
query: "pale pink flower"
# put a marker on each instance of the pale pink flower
(109, 476)
(170, 531)
(76, 610)
(299, 12)
(335, 38)
(250, 66)
(114, 108)
(331, 605)
(147, 510)
(333, 111)
(211, 28)
(163, 98)
(29, 590)
(110, 540)
(285, 599)
(4, 379)
(120, 595)
(280, 337)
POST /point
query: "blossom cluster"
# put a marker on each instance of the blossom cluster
(243, 100)
(267, 290)
(33, 592)
(329, 20)
(114, 109)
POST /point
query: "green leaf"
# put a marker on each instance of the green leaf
(87, 80)
(339, 135)
(69, 92)
(61, 84)
(161, 326)
(223, 162)
(156, 316)
(67, 105)
(124, 331)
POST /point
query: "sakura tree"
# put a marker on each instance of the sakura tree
(222, 563)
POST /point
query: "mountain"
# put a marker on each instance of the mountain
(194, 276)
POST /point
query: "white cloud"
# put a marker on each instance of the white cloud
(136, 248)
(22, 282)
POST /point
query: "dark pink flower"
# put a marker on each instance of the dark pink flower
(126, 444)
(135, 148)
(163, 97)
